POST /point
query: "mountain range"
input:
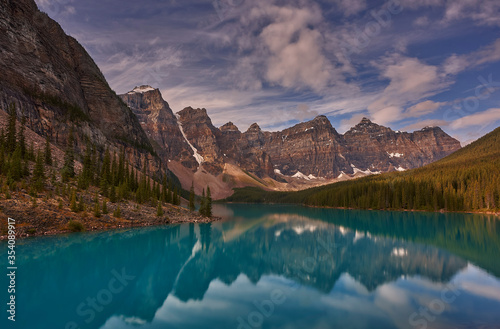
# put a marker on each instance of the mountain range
(57, 87)
(309, 153)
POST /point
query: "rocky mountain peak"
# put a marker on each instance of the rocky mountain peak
(365, 121)
(193, 115)
(321, 119)
(366, 126)
(254, 127)
(229, 127)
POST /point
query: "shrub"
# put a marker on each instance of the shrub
(75, 226)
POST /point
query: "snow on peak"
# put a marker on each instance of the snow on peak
(142, 89)
(400, 168)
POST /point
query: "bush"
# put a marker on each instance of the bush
(75, 226)
(117, 213)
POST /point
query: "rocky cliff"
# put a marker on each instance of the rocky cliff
(56, 85)
(309, 151)
(161, 125)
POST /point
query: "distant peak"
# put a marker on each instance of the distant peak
(321, 118)
(142, 89)
(365, 120)
(254, 127)
(229, 127)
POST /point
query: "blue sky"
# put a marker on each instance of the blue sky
(405, 64)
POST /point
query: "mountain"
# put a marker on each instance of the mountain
(56, 85)
(467, 180)
(307, 154)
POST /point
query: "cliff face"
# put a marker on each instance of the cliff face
(161, 125)
(312, 148)
(56, 85)
(308, 150)
(378, 148)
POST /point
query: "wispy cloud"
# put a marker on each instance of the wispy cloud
(279, 62)
(487, 117)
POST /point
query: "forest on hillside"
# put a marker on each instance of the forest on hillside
(467, 180)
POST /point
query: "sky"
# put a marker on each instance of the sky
(405, 64)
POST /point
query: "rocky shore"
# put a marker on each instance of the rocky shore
(46, 216)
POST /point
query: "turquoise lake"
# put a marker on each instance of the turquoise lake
(267, 266)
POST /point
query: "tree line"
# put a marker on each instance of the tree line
(467, 180)
(110, 172)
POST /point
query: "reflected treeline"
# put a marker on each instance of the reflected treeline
(475, 237)
(313, 247)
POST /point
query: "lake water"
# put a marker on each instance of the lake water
(267, 266)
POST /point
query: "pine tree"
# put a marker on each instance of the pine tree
(114, 170)
(31, 152)
(164, 189)
(159, 211)
(97, 207)
(48, 152)
(87, 171)
(73, 205)
(68, 170)
(208, 203)
(2, 137)
(16, 171)
(39, 172)
(112, 194)
(81, 204)
(191, 198)
(117, 213)
(106, 170)
(203, 204)
(174, 201)
(11, 129)
(21, 139)
(104, 207)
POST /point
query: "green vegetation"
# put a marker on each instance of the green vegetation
(206, 203)
(117, 213)
(75, 226)
(467, 180)
(108, 171)
(191, 198)
(159, 210)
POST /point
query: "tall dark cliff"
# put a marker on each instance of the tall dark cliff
(56, 85)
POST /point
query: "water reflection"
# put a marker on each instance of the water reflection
(333, 268)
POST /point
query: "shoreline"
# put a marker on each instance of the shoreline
(45, 217)
(441, 211)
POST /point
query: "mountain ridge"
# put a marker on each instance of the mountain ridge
(467, 181)
(312, 151)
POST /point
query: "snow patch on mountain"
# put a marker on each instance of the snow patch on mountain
(196, 155)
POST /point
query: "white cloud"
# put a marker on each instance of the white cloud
(410, 80)
(423, 108)
(288, 45)
(55, 8)
(458, 63)
(351, 7)
(477, 119)
(484, 12)
(425, 123)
